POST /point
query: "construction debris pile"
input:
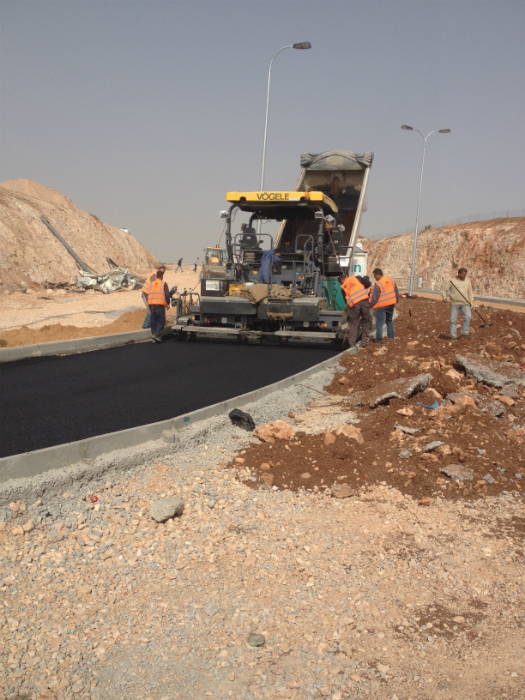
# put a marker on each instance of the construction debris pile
(117, 278)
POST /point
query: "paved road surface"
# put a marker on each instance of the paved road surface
(51, 400)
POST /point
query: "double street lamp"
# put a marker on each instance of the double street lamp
(437, 131)
(301, 45)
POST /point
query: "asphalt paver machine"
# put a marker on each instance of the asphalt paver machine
(284, 288)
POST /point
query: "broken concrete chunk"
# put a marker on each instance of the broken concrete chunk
(458, 472)
(491, 372)
(408, 431)
(489, 478)
(405, 454)
(402, 388)
(511, 390)
(166, 508)
(341, 491)
(432, 446)
(242, 419)
(276, 429)
(168, 436)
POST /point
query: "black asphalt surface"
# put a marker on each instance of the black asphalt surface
(52, 400)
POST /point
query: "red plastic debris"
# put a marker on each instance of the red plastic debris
(364, 476)
(93, 499)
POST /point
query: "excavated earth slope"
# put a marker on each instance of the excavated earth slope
(30, 253)
(492, 251)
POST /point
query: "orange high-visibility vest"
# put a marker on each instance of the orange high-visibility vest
(387, 292)
(147, 285)
(353, 291)
(156, 292)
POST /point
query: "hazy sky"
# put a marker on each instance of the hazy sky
(147, 113)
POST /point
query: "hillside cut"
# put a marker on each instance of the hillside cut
(492, 251)
(30, 253)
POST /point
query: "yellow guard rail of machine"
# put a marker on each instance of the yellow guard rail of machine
(256, 199)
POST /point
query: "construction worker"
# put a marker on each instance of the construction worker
(356, 297)
(179, 266)
(461, 298)
(158, 295)
(385, 297)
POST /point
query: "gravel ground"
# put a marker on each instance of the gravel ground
(369, 596)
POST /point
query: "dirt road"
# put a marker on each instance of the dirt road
(41, 317)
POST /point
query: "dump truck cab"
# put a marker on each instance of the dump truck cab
(281, 288)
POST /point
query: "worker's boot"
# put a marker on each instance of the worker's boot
(466, 336)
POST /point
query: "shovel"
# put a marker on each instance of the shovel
(485, 324)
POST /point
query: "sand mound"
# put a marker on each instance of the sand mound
(29, 252)
(130, 321)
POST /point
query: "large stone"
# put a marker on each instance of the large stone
(277, 429)
(402, 388)
(242, 419)
(341, 491)
(166, 508)
(491, 372)
(458, 472)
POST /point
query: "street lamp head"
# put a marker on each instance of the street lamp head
(407, 128)
(444, 131)
(303, 45)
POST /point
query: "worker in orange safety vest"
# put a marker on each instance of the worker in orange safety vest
(356, 297)
(158, 297)
(385, 297)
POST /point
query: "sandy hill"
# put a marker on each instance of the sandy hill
(29, 252)
(493, 252)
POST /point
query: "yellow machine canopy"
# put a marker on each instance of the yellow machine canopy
(280, 205)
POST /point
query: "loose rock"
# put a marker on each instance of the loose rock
(166, 508)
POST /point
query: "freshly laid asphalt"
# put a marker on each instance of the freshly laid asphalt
(52, 400)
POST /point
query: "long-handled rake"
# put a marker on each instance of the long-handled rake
(485, 324)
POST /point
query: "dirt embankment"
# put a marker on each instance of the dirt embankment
(30, 253)
(492, 251)
(482, 432)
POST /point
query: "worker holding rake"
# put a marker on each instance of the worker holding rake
(461, 298)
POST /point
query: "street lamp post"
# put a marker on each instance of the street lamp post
(437, 131)
(301, 45)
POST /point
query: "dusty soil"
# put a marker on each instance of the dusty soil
(476, 440)
(43, 316)
(491, 250)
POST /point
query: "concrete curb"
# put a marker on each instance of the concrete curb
(29, 464)
(70, 347)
